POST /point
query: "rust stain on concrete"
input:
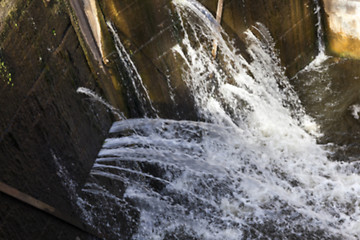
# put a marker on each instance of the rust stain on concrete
(343, 25)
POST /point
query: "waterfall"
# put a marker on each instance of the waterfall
(251, 170)
(317, 63)
(132, 73)
(319, 30)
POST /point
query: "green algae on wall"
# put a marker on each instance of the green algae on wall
(106, 76)
(147, 32)
(5, 74)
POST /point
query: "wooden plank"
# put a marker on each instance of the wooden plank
(27, 199)
(218, 20)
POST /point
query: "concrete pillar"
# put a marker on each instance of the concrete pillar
(343, 27)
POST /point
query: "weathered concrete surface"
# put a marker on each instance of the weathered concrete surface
(49, 134)
(343, 27)
(19, 221)
(292, 24)
(6, 6)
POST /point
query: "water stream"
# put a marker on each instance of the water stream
(253, 169)
(137, 85)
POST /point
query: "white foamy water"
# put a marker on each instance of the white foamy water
(319, 28)
(318, 63)
(253, 170)
(355, 110)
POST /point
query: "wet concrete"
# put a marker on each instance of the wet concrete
(343, 27)
(149, 29)
(49, 134)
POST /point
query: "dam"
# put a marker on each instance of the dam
(117, 122)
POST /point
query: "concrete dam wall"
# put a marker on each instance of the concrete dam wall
(49, 133)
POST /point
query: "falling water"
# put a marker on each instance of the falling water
(317, 63)
(138, 86)
(99, 99)
(319, 30)
(252, 170)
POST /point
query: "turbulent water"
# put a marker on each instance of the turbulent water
(251, 170)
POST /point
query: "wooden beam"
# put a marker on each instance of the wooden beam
(23, 197)
(218, 20)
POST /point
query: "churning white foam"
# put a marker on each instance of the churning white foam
(254, 170)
